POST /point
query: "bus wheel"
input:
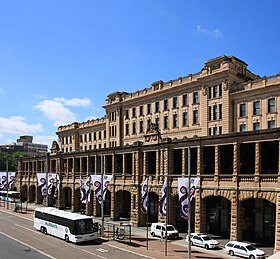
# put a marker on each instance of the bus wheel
(42, 229)
(45, 231)
(67, 238)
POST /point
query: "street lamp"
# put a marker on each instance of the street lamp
(7, 178)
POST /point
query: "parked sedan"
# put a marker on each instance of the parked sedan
(244, 249)
(203, 240)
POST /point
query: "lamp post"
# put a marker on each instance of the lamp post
(7, 179)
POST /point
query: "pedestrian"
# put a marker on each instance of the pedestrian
(161, 235)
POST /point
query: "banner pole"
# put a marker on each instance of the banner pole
(189, 204)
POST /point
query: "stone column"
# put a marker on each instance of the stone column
(198, 210)
(277, 225)
(236, 162)
(199, 160)
(124, 166)
(257, 162)
(217, 163)
(236, 224)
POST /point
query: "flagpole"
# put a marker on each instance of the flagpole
(102, 203)
(47, 180)
(147, 217)
(167, 212)
(189, 204)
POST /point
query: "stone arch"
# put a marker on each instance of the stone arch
(217, 210)
(23, 193)
(258, 219)
(32, 193)
(123, 204)
(153, 207)
(66, 198)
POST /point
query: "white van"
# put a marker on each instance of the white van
(158, 229)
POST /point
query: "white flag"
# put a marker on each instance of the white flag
(7, 183)
(163, 199)
(183, 190)
(57, 189)
(3, 180)
(97, 186)
(88, 189)
(51, 179)
(144, 196)
(82, 195)
(42, 183)
(106, 181)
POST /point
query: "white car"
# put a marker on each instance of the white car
(203, 240)
(244, 249)
(158, 229)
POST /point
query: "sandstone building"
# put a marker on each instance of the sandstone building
(225, 115)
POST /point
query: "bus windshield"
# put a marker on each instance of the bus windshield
(84, 226)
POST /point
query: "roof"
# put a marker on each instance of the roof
(62, 213)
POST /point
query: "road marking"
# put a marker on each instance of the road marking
(14, 214)
(131, 252)
(102, 250)
(88, 252)
(28, 229)
(33, 248)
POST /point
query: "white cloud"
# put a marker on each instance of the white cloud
(215, 33)
(73, 102)
(18, 125)
(46, 140)
(56, 112)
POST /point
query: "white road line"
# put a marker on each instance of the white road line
(33, 248)
(102, 250)
(28, 229)
(131, 252)
(88, 252)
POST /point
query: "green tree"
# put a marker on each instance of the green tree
(12, 160)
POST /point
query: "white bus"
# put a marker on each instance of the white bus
(69, 226)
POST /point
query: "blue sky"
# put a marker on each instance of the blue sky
(59, 59)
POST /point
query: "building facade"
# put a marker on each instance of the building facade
(227, 118)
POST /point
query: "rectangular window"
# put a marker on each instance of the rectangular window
(156, 106)
(127, 113)
(126, 129)
(175, 102)
(195, 117)
(220, 90)
(271, 105)
(242, 110)
(215, 131)
(185, 119)
(89, 137)
(134, 127)
(256, 126)
(209, 92)
(209, 131)
(149, 108)
(175, 120)
(165, 104)
(185, 100)
(100, 135)
(271, 124)
(215, 91)
(210, 113)
(133, 112)
(215, 112)
(94, 135)
(104, 134)
(85, 137)
(165, 122)
(242, 127)
(141, 110)
(257, 108)
(141, 129)
(157, 122)
(195, 98)
(220, 112)
(220, 130)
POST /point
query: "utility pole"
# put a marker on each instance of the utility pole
(47, 180)
(102, 203)
(189, 204)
